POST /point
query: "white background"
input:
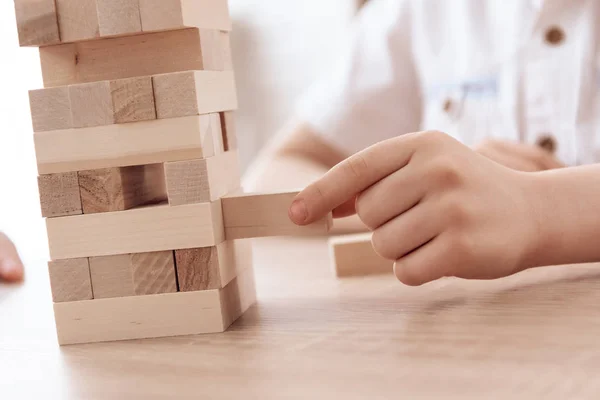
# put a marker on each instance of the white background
(279, 47)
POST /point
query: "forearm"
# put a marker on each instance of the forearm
(567, 203)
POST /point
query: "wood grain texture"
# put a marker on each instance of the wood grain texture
(252, 215)
(177, 14)
(533, 335)
(133, 99)
(151, 316)
(353, 255)
(216, 50)
(111, 276)
(50, 109)
(229, 132)
(118, 189)
(121, 57)
(118, 17)
(197, 269)
(70, 280)
(133, 274)
(212, 267)
(138, 143)
(37, 22)
(59, 194)
(91, 104)
(154, 228)
(77, 20)
(199, 181)
(153, 273)
(194, 92)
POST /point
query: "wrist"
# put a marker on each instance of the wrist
(544, 245)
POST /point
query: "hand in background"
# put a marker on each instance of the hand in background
(435, 206)
(518, 156)
(11, 267)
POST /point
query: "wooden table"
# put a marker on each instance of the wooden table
(535, 335)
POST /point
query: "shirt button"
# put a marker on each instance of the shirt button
(547, 142)
(448, 104)
(555, 35)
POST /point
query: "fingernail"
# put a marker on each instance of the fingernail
(298, 212)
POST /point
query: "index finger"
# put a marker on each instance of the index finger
(350, 177)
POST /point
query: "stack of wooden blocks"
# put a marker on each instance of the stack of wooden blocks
(138, 168)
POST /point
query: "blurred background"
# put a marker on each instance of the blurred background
(279, 47)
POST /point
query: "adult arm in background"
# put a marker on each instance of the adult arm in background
(371, 94)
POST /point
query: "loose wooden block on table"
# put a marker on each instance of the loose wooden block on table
(122, 57)
(138, 317)
(147, 229)
(253, 215)
(70, 280)
(118, 189)
(77, 19)
(203, 180)
(212, 267)
(50, 109)
(133, 274)
(177, 14)
(353, 255)
(119, 145)
(37, 22)
(188, 93)
(229, 132)
(59, 194)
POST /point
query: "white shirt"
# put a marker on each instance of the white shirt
(509, 69)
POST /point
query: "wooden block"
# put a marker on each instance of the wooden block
(121, 57)
(154, 273)
(140, 230)
(111, 276)
(160, 315)
(91, 104)
(177, 14)
(59, 194)
(133, 274)
(217, 133)
(50, 109)
(260, 215)
(229, 132)
(118, 189)
(216, 50)
(70, 280)
(212, 267)
(77, 20)
(204, 180)
(133, 99)
(353, 255)
(37, 22)
(237, 297)
(119, 145)
(118, 17)
(194, 92)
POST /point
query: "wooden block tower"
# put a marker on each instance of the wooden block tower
(138, 168)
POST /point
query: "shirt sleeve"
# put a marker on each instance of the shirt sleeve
(372, 92)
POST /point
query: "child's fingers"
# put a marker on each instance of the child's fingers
(350, 177)
(428, 263)
(11, 267)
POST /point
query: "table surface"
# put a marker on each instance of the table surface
(533, 335)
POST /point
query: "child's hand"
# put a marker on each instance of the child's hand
(518, 156)
(436, 206)
(11, 267)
